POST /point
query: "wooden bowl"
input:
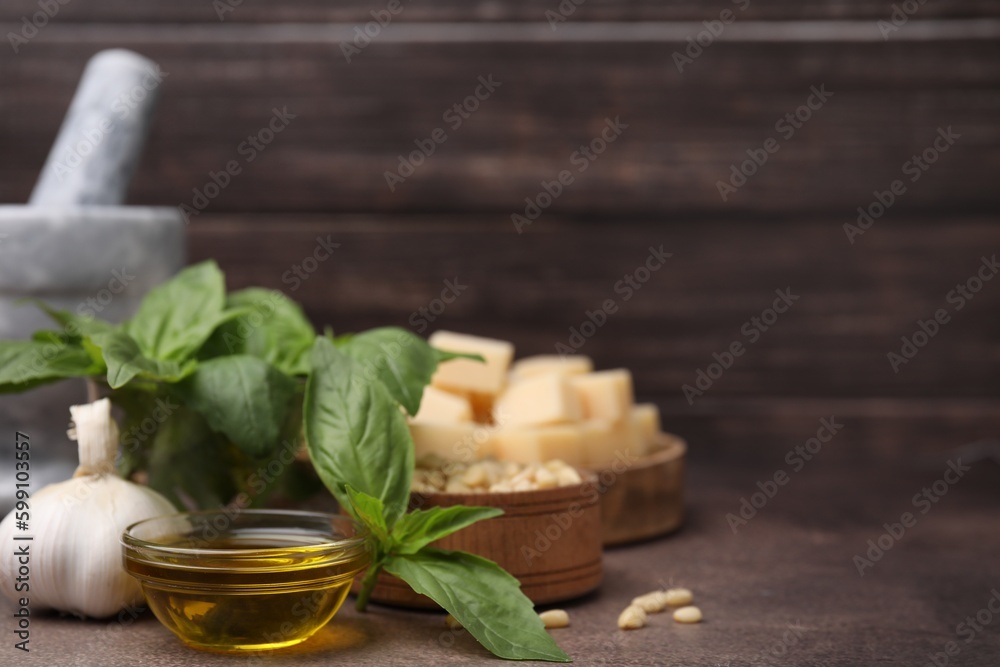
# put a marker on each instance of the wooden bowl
(549, 539)
(645, 499)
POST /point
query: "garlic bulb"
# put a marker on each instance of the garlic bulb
(74, 559)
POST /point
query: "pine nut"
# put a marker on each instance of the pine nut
(678, 597)
(568, 476)
(555, 618)
(651, 603)
(632, 618)
(688, 615)
(475, 476)
(436, 474)
(544, 479)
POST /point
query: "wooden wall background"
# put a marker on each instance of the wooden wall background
(655, 185)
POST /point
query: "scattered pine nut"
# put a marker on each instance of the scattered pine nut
(688, 615)
(452, 623)
(651, 603)
(555, 618)
(678, 597)
(632, 618)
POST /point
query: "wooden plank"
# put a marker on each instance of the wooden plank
(200, 11)
(856, 301)
(767, 431)
(685, 131)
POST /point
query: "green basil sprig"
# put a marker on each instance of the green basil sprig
(360, 444)
(208, 382)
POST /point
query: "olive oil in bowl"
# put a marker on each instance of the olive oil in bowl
(252, 581)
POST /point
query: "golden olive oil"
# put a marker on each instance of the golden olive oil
(246, 591)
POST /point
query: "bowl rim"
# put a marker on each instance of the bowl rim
(342, 547)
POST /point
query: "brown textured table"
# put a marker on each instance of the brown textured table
(784, 590)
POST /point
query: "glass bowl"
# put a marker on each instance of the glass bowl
(245, 580)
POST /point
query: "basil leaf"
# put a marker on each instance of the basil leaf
(243, 397)
(74, 326)
(486, 600)
(417, 529)
(370, 511)
(142, 414)
(355, 432)
(404, 362)
(177, 317)
(339, 341)
(272, 327)
(188, 464)
(68, 356)
(444, 355)
(53, 337)
(126, 361)
(25, 364)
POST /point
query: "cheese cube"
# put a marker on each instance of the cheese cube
(482, 406)
(466, 375)
(605, 394)
(460, 441)
(440, 406)
(646, 418)
(611, 444)
(536, 401)
(550, 363)
(540, 444)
